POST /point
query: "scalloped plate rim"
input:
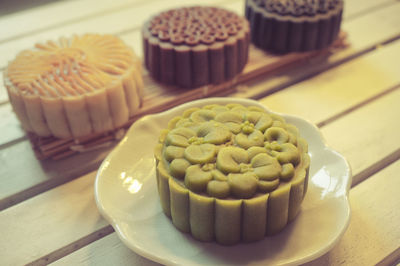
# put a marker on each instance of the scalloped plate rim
(221, 100)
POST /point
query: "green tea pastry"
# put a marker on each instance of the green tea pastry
(75, 87)
(231, 173)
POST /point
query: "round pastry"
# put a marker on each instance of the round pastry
(282, 26)
(75, 87)
(231, 173)
(195, 46)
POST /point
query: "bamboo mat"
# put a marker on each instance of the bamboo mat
(158, 97)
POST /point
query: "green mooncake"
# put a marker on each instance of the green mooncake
(231, 173)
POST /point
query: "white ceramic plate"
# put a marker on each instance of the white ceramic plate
(126, 195)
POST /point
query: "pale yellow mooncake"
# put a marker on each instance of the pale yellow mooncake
(75, 87)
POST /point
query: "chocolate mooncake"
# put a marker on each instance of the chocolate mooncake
(195, 46)
(282, 26)
(75, 87)
(231, 173)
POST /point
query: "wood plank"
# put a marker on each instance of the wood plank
(371, 234)
(58, 150)
(38, 221)
(129, 32)
(9, 121)
(356, 30)
(113, 22)
(108, 250)
(132, 37)
(338, 90)
(23, 176)
(252, 89)
(354, 8)
(67, 18)
(352, 83)
(392, 259)
(374, 231)
(375, 132)
(362, 38)
(375, 143)
(24, 181)
(110, 23)
(157, 99)
(80, 214)
(30, 21)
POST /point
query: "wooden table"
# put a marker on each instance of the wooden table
(47, 209)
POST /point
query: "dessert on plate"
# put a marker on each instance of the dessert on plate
(75, 86)
(195, 46)
(231, 173)
(282, 26)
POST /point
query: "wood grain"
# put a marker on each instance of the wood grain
(355, 103)
(353, 8)
(71, 23)
(279, 80)
(322, 97)
(373, 232)
(349, 143)
(361, 37)
(25, 185)
(109, 23)
(157, 98)
(31, 22)
(108, 250)
(42, 219)
(352, 83)
(66, 12)
(25, 177)
(364, 242)
(366, 126)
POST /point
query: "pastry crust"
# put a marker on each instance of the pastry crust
(293, 27)
(231, 173)
(75, 87)
(195, 46)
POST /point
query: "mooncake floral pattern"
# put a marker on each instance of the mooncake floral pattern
(231, 151)
(195, 25)
(299, 7)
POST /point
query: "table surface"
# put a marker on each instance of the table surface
(47, 208)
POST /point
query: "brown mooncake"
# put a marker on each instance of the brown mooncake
(283, 26)
(195, 46)
(230, 173)
(75, 87)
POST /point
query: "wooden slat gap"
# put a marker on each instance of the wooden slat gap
(72, 247)
(376, 167)
(14, 199)
(391, 259)
(320, 70)
(373, 169)
(34, 191)
(357, 106)
(12, 142)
